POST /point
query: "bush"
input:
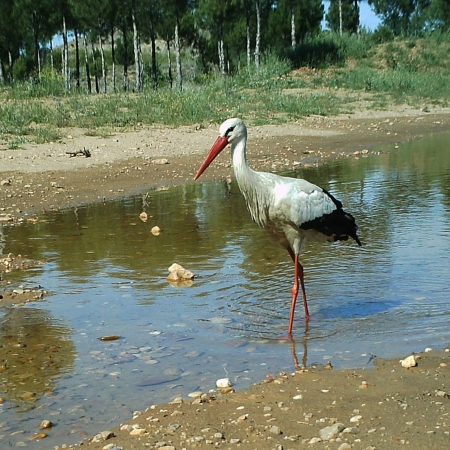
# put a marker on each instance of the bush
(383, 34)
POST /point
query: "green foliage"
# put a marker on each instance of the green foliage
(350, 15)
(46, 134)
(22, 69)
(410, 71)
(272, 68)
(383, 34)
(330, 48)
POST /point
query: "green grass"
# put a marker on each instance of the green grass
(412, 71)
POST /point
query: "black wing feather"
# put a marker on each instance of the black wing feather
(339, 224)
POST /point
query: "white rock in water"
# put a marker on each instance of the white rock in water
(156, 230)
(177, 272)
(408, 362)
(174, 267)
(428, 349)
(223, 383)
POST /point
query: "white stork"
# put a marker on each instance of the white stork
(292, 210)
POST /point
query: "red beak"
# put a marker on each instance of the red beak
(219, 145)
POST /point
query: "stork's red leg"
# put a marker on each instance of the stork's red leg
(298, 274)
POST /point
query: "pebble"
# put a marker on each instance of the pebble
(38, 436)
(45, 424)
(228, 390)
(275, 430)
(408, 362)
(298, 397)
(156, 230)
(314, 440)
(223, 383)
(356, 418)
(344, 446)
(330, 432)
(177, 272)
(195, 394)
(138, 432)
(441, 394)
(112, 447)
(103, 436)
(350, 430)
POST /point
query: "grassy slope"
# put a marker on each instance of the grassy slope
(410, 71)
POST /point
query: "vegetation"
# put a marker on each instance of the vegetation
(259, 59)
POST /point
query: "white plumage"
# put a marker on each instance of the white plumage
(292, 210)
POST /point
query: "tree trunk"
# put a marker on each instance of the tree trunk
(10, 67)
(39, 64)
(65, 57)
(340, 17)
(77, 59)
(221, 54)
(97, 88)
(178, 54)
(358, 29)
(169, 62)
(293, 41)
(88, 74)
(102, 54)
(249, 51)
(137, 62)
(36, 45)
(125, 65)
(154, 67)
(113, 57)
(52, 65)
(258, 34)
(2, 75)
(142, 65)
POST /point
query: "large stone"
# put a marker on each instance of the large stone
(330, 432)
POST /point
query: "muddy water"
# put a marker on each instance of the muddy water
(106, 274)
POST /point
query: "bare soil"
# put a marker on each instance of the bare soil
(383, 407)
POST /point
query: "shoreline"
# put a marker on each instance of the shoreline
(45, 177)
(385, 407)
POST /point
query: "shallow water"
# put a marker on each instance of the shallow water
(106, 274)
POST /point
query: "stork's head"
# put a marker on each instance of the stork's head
(231, 131)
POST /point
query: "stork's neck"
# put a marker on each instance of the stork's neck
(241, 168)
(248, 180)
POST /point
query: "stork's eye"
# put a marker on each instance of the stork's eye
(229, 131)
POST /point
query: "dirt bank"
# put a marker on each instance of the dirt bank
(43, 177)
